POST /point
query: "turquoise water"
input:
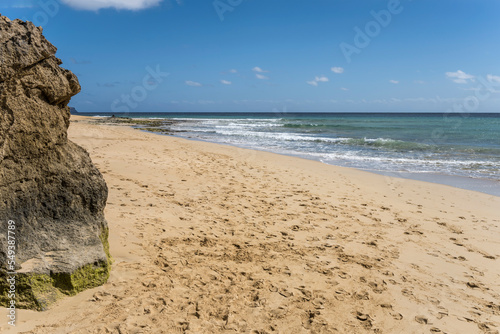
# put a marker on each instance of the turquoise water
(462, 145)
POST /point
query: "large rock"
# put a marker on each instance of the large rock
(48, 185)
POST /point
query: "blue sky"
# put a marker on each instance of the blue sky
(268, 55)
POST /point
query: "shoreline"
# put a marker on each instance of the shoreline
(210, 238)
(485, 186)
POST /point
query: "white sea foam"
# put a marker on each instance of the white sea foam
(331, 145)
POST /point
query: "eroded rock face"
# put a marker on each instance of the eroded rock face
(48, 185)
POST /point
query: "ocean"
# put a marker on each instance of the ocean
(457, 149)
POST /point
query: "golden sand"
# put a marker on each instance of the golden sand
(209, 238)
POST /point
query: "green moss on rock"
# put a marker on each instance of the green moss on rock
(33, 291)
(38, 291)
(105, 243)
(87, 277)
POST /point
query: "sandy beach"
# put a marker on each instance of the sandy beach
(208, 238)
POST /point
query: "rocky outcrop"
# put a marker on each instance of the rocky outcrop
(48, 185)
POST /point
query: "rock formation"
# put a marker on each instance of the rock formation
(48, 185)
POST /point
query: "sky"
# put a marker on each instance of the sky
(275, 55)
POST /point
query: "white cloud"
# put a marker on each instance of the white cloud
(22, 5)
(343, 88)
(193, 83)
(19, 4)
(258, 69)
(416, 99)
(338, 70)
(261, 77)
(225, 82)
(116, 4)
(394, 82)
(459, 77)
(493, 78)
(317, 79)
(233, 71)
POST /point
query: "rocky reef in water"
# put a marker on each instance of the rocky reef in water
(49, 188)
